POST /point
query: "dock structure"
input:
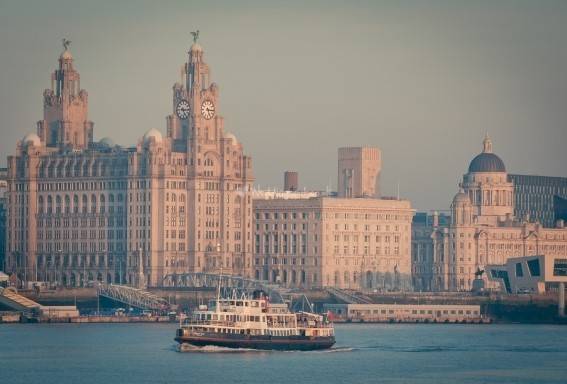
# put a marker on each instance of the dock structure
(406, 313)
(29, 310)
(12, 299)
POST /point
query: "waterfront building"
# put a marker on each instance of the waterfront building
(484, 230)
(359, 172)
(422, 256)
(3, 203)
(530, 274)
(538, 198)
(81, 210)
(333, 242)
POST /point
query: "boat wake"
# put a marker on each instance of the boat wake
(214, 349)
(335, 350)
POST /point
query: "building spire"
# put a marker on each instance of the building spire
(487, 144)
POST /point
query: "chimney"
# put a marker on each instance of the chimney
(291, 181)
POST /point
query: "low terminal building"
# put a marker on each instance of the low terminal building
(529, 274)
(406, 313)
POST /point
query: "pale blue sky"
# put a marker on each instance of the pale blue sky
(422, 80)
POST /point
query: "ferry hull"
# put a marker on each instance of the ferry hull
(280, 343)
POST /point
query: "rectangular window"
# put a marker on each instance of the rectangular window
(533, 266)
(519, 271)
(560, 267)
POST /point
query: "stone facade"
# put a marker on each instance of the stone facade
(359, 172)
(81, 210)
(333, 242)
(483, 229)
(3, 208)
(422, 255)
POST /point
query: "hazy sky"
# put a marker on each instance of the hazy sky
(421, 80)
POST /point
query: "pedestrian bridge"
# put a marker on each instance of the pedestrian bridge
(133, 297)
(12, 299)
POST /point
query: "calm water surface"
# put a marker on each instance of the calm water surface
(389, 353)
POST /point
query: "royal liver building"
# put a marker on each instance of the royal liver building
(82, 210)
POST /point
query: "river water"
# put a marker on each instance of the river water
(364, 353)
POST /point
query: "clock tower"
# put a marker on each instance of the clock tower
(219, 175)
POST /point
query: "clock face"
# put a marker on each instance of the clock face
(208, 109)
(182, 110)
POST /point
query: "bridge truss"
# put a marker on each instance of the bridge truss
(133, 297)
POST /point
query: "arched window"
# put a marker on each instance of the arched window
(75, 204)
(57, 204)
(102, 203)
(77, 169)
(85, 202)
(337, 277)
(40, 206)
(111, 198)
(303, 279)
(93, 203)
(67, 204)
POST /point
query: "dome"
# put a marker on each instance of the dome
(107, 141)
(33, 139)
(196, 48)
(153, 133)
(461, 198)
(487, 161)
(229, 135)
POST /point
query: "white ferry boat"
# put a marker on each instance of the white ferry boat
(257, 324)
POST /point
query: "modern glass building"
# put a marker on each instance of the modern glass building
(534, 197)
